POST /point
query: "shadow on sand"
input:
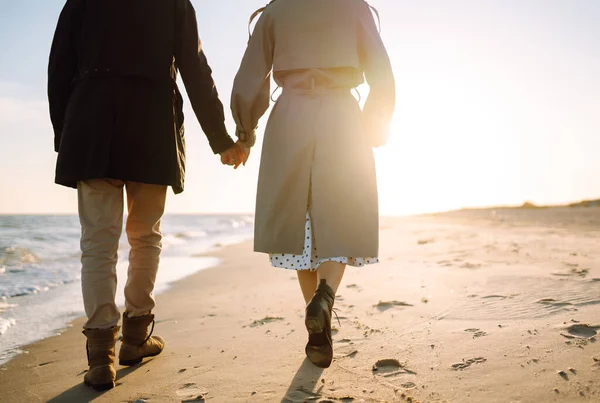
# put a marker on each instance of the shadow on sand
(83, 393)
(303, 385)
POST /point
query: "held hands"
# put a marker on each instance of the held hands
(235, 155)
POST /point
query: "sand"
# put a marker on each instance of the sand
(472, 306)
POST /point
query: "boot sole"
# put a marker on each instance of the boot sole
(130, 363)
(101, 386)
(313, 325)
(319, 349)
(320, 354)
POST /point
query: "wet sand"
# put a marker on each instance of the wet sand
(471, 306)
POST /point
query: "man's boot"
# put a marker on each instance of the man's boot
(137, 343)
(100, 348)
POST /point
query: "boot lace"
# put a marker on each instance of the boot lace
(149, 334)
(335, 311)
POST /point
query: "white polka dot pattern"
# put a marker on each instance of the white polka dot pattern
(309, 260)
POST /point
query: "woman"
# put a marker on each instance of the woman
(317, 208)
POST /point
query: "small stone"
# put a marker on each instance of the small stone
(555, 390)
(253, 393)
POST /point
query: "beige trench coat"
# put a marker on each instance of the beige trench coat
(317, 150)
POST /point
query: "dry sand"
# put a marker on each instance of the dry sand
(473, 306)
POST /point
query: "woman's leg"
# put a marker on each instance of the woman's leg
(319, 348)
(308, 283)
(332, 273)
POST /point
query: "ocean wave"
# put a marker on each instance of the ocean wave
(6, 324)
(190, 234)
(16, 291)
(30, 290)
(237, 222)
(5, 306)
(15, 255)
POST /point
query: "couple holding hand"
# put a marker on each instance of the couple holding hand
(117, 116)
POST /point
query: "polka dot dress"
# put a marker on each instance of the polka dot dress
(309, 260)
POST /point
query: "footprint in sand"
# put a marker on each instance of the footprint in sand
(465, 364)
(355, 286)
(476, 332)
(552, 302)
(468, 265)
(385, 305)
(267, 319)
(572, 272)
(190, 392)
(341, 354)
(387, 364)
(391, 367)
(495, 296)
(581, 330)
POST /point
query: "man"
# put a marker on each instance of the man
(118, 124)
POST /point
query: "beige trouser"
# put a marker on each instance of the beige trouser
(101, 217)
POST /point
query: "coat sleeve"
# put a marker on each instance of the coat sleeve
(374, 60)
(197, 78)
(62, 65)
(251, 92)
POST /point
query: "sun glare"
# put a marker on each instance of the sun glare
(448, 145)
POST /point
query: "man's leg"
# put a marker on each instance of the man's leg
(101, 217)
(145, 204)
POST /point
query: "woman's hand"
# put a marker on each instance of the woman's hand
(233, 156)
(245, 152)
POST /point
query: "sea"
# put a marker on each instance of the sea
(40, 270)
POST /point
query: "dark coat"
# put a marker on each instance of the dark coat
(114, 102)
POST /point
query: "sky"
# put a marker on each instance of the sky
(498, 103)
